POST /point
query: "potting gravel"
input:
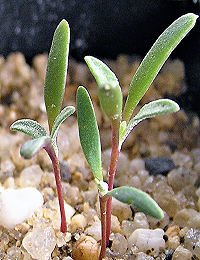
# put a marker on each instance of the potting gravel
(133, 235)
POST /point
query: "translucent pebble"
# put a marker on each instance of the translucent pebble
(128, 227)
(78, 222)
(143, 256)
(94, 230)
(182, 253)
(182, 160)
(123, 162)
(140, 220)
(187, 217)
(40, 242)
(121, 210)
(180, 178)
(119, 243)
(15, 252)
(147, 240)
(192, 241)
(136, 165)
(30, 176)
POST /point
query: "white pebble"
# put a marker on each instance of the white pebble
(17, 205)
(40, 243)
(30, 176)
(94, 230)
(147, 240)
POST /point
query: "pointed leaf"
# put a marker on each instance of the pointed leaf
(56, 72)
(29, 127)
(101, 72)
(152, 109)
(33, 146)
(138, 199)
(88, 132)
(64, 114)
(154, 60)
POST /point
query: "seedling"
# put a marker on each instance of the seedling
(110, 96)
(53, 96)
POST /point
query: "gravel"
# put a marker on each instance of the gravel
(172, 140)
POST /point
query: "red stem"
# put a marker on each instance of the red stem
(56, 169)
(103, 227)
(111, 175)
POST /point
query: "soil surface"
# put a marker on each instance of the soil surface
(161, 157)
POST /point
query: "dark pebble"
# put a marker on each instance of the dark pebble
(159, 165)
(65, 171)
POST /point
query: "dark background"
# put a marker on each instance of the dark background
(103, 29)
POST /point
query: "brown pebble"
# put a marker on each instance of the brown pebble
(86, 248)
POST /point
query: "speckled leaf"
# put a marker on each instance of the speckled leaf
(152, 109)
(33, 146)
(29, 127)
(101, 72)
(56, 72)
(138, 199)
(154, 60)
(88, 132)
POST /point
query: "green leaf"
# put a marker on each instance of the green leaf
(138, 199)
(29, 127)
(33, 146)
(88, 132)
(154, 60)
(111, 98)
(101, 72)
(64, 114)
(152, 109)
(56, 72)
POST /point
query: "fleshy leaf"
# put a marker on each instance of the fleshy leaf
(56, 72)
(152, 109)
(64, 114)
(33, 146)
(154, 60)
(101, 72)
(88, 132)
(29, 127)
(138, 199)
(110, 97)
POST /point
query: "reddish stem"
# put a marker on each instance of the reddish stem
(103, 227)
(56, 169)
(111, 175)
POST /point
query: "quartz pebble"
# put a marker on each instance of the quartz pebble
(192, 241)
(17, 205)
(30, 176)
(181, 253)
(40, 242)
(119, 243)
(147, 240)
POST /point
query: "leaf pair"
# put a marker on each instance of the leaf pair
(38, 133)
(53, 95)
(110, 96)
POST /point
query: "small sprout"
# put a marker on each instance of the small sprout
(110, 96)
(53, 96)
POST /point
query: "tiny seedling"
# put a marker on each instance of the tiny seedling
(53, 95)
(111, 102)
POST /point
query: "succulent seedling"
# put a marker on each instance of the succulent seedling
(53, 96)
(110, 96)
